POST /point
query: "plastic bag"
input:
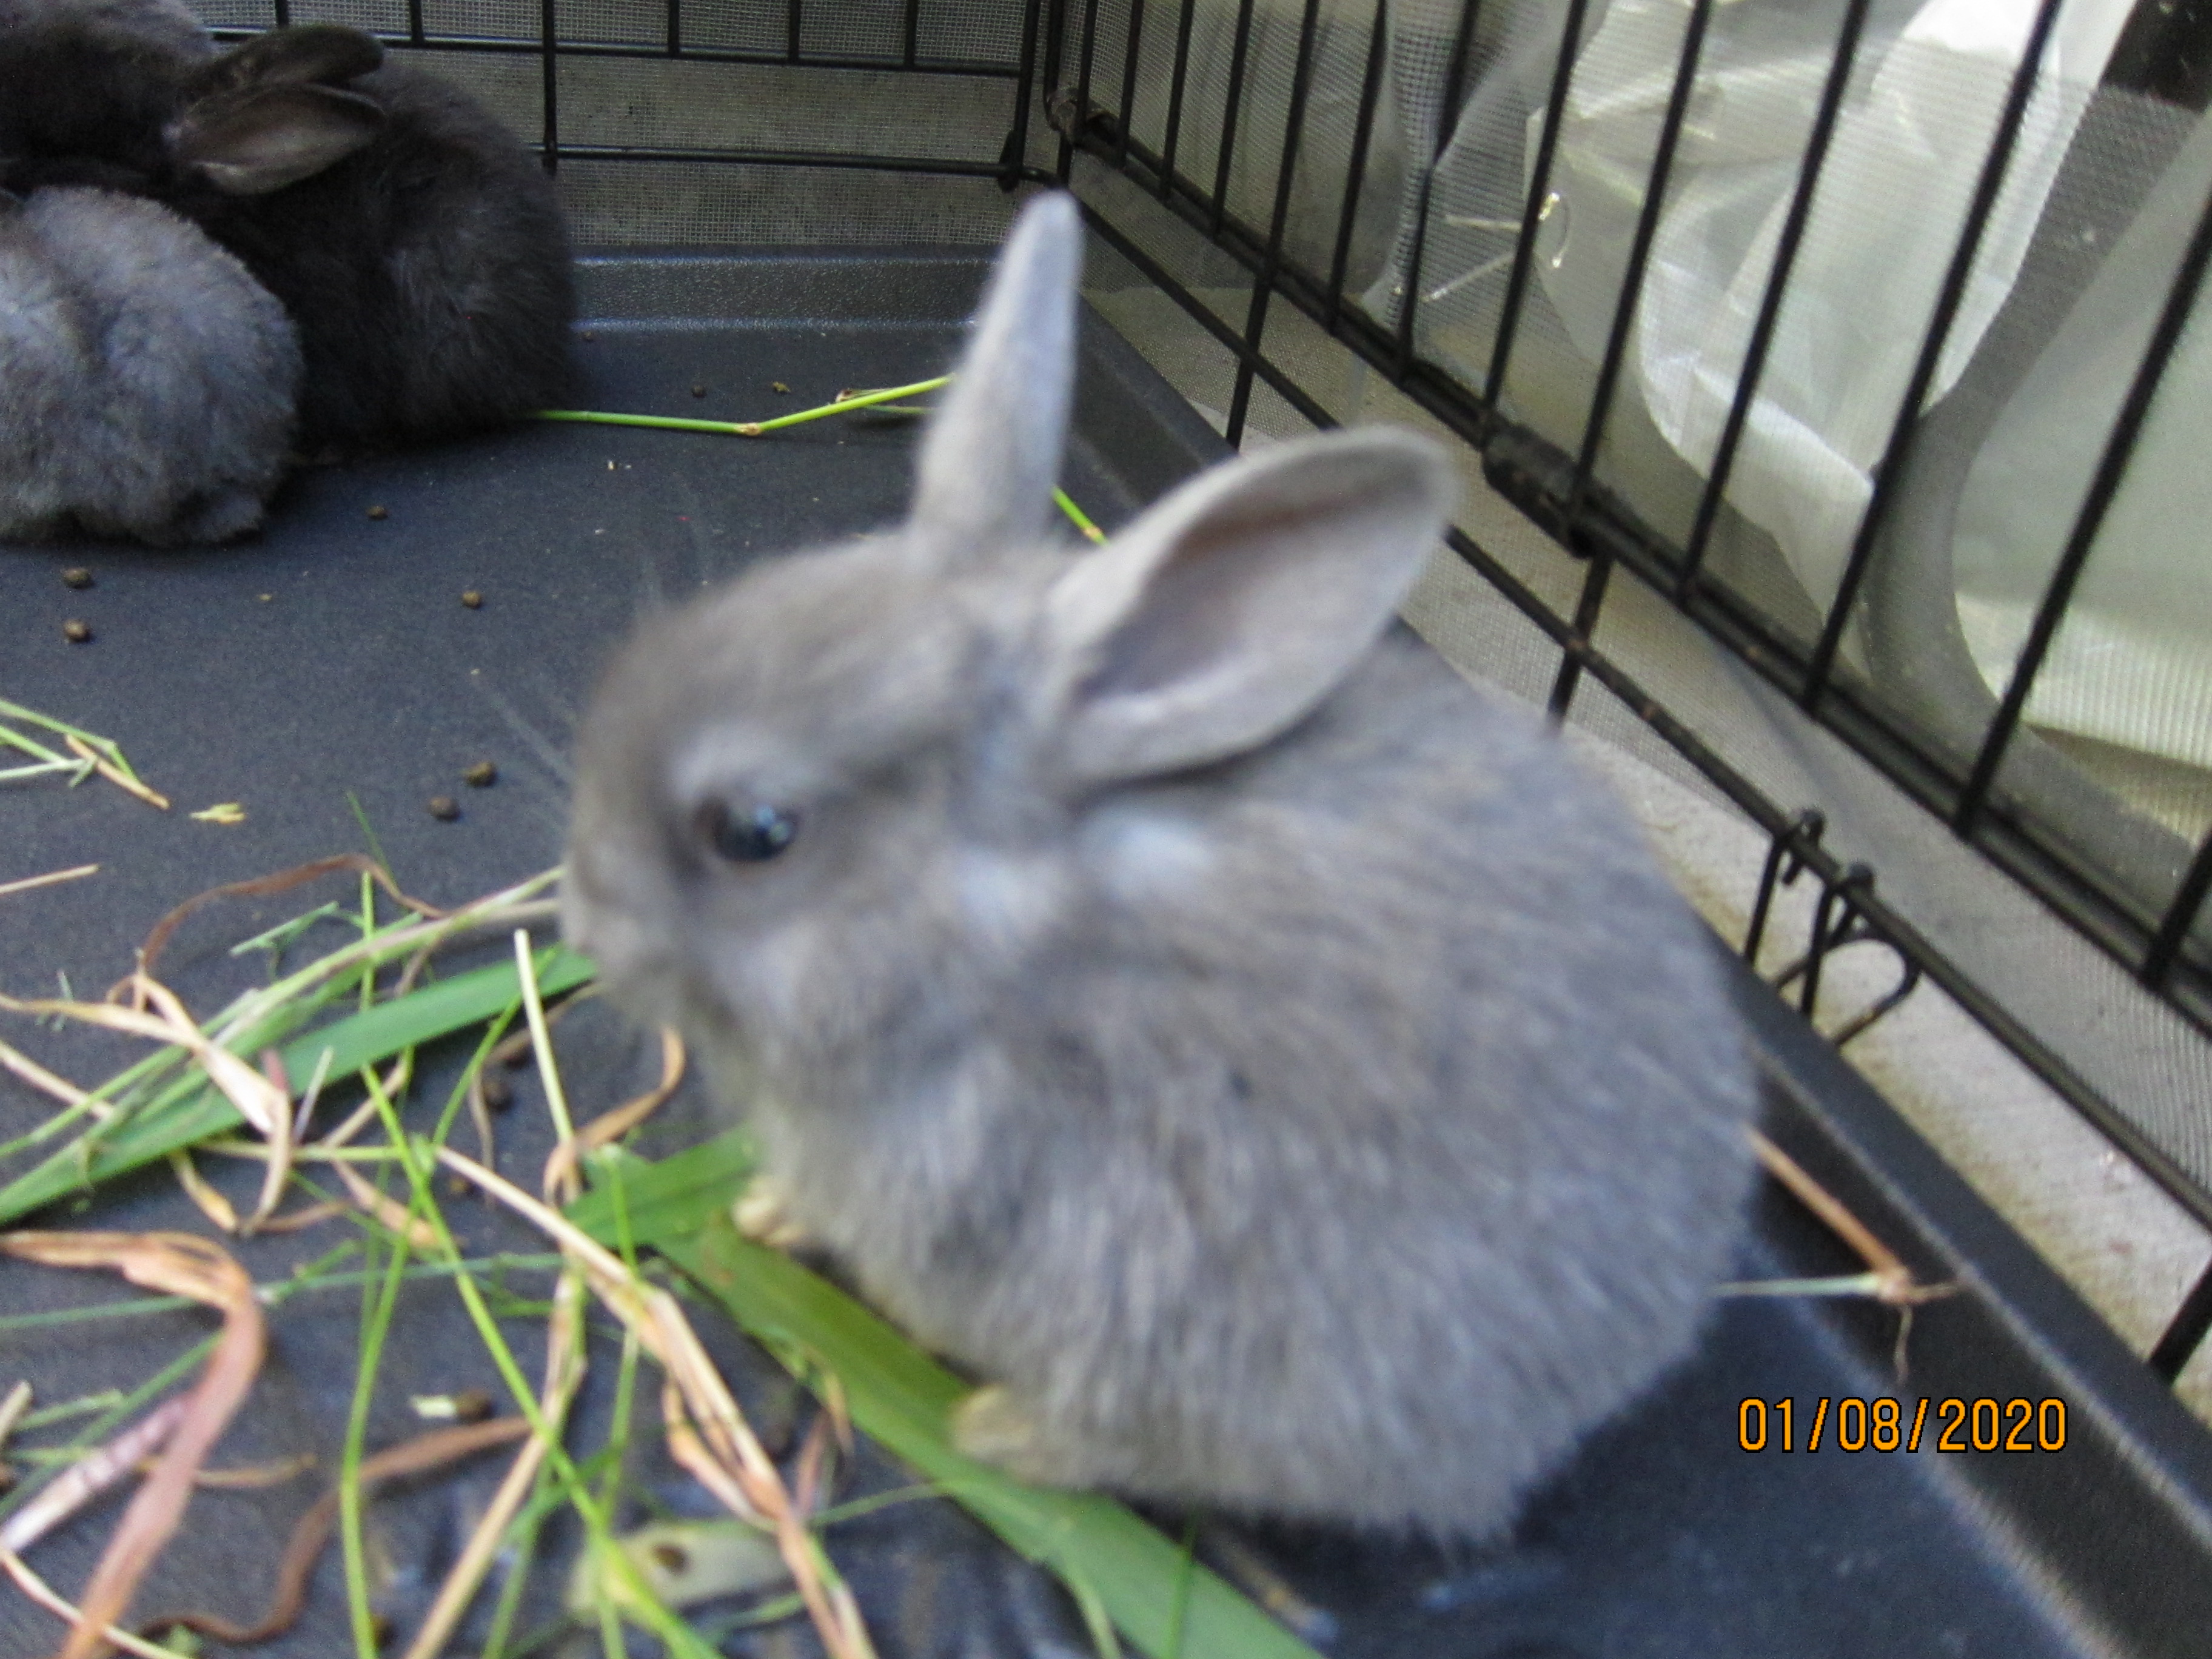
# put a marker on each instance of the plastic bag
(1910, 143)
(2132, 663)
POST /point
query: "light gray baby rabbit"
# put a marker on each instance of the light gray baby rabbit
(147, 382)
(1170, 989)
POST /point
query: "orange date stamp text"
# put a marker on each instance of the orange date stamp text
(1883, 1424)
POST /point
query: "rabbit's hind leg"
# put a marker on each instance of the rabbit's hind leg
(221, 516)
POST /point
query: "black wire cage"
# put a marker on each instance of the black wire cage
(1820, 373)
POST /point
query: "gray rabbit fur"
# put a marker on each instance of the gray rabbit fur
(1166, 985)
(147, 382)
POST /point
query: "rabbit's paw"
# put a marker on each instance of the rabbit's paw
(222, 515)
(992, 1426)
(759, 1215)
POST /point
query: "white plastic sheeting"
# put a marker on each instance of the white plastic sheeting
(1909, 142)
(2132, 663)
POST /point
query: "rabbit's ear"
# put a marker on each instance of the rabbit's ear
(252, 143)
(1229, 611)
(992, 455)
(309, 54)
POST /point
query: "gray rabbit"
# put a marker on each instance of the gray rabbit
(147, 382)
(1169, 989)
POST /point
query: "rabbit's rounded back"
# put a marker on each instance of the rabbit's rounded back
(1168, 986)
(146, 379)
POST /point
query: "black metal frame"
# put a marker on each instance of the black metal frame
(1053, 72)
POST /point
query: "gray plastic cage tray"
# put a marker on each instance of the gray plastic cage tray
(333, 659)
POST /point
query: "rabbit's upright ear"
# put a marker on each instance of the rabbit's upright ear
(992, 455)
(1226, 612)
(250, 144)
(307, 54)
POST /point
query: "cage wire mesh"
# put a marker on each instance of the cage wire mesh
(1824, 376)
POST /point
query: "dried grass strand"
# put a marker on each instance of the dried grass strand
(211, 1203)
(259, 1103)
(114, 773)
(95, 1472)
(480, 1119)
(514, 1050)
(263, 1101)
(708, 1434)
(560, 1181)
(1895, 1282)
(54, 1602)
(836, 1615)
(392, 1084)
(1890, 1281)
(178, 1265)
(51, 879)
(611, 1126)
(522, 915)
(47, 1082)
(12, 1409)
(300, 1220)
(394, 1215)
(282, 881)
(312, 1530)
(255, 1477)
(565, 1365)
(304, 1113)
(810, 1484)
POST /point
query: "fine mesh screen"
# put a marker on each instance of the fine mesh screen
(666, 103)
(680, 204)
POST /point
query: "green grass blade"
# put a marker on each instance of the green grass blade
(847, 405)
(1144, 1580)
(1077, 516)
(194, 1109)
(376, 1325)
(663, 422)
(671, 1195)
(110, 750)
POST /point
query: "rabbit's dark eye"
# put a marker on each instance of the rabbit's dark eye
(746, 835)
